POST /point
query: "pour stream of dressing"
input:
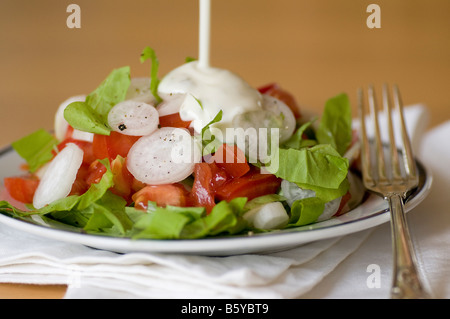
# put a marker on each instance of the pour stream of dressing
(207, 90)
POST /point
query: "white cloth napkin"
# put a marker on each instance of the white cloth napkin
(335, 268)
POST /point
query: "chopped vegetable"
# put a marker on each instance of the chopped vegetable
(36, 148)
(92, 115)
(268, 216)
(59, 176)
(166, 156)
(133, 118)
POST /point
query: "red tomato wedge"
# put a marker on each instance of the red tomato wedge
(276, 91)
(231, 159)
(251, 185)
(21, 188)
(173, 120)
(109, 146)
(162, 195)
(345, 199)
(202, 193)
(123, 180)
(95, 172)
(80, 185)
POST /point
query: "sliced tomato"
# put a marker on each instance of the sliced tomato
(137, 185)
(202, 193)
(95, 172)
(123, 180)
(274, 89)
(173, 120)
(251, 185)
(162, 195)
(232, 160)
(80, 185)
(344, 200)
(109, 146)
(22, 188)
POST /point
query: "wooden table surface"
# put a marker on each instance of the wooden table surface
(315, 49)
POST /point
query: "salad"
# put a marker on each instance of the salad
(197, 153)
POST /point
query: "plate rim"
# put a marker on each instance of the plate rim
(227, 245)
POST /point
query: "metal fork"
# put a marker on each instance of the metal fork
(392, 177)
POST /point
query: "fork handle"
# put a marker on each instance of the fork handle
(406, 282)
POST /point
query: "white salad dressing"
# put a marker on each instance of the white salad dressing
(199, 92)
(209, 90)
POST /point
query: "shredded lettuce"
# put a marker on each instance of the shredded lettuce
(92, 115)
(36, 148)
(296, 141)
(209, 141)
(335, 126)
(262, 200)
(318, 166)
(191, 222)
(306, 211)
(149, 53)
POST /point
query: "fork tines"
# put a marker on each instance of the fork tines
(378, 169)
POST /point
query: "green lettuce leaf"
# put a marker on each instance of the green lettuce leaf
(335, 127)
(318, 166)
(262, 200)
(296, 141)
(209, 141)
(108, 215)
(306, 211)
(36, 148)
(149, 53)
(92, 115)
(191, 222)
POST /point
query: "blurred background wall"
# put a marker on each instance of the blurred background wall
(315, 49)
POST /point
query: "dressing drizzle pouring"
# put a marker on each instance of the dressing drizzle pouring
(204, 33)
(204, 90)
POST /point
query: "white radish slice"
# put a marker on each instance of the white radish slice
(166, 156)
(269, 216)
(330, 209)
(59, 176)
(171, 104)
(292, 192)
(61, 124)
(277, 106)
(83, 136)
(139, 90)
(133, 118)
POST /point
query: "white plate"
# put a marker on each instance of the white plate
(372, 212)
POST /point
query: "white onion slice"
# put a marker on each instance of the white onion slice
(139, 90)
(277, 106)
(171, 104)
(330, 209)
(59, 176)
(61, 124)
(166, 156)
(83, 136)
(269, 216)
(133, 118)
